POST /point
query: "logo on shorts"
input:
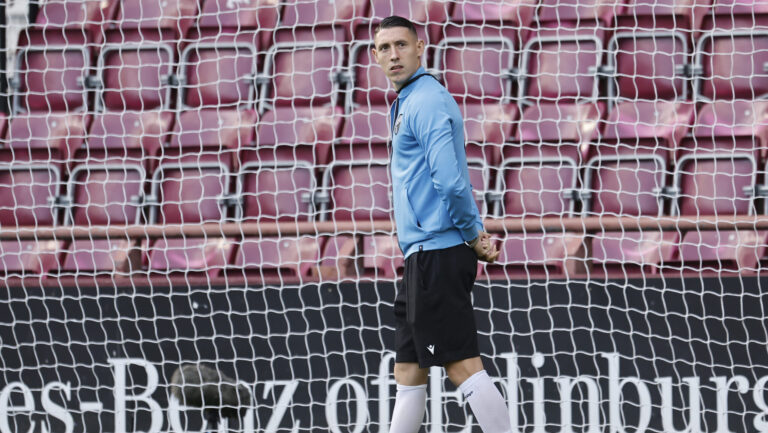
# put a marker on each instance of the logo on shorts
(431, 348)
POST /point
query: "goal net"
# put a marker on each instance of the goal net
(206, 182)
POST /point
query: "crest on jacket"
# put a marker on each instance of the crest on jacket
(397, 124)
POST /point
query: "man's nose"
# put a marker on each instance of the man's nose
(394, 54)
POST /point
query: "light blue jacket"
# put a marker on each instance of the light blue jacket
(433, 201)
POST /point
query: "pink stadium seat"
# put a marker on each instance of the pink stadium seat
(382, 258)
(561, 65)
(207, 255)
(632, 253)
(106, 194)
(736, 14)
(496, 16)
(103, 256)
(305, 133)
(539, 169)
(253, 21)
(301, 74)
(135, 77)
(357, 190)
(152, 20)
(59, 17)
(579, 13)
(276, 190)
(212, 130)
(272, 260)
(649, 66)
(537, 256)
(50, 78)
(339, 258)
(681, 15)
(703, 251)
(732, 125)
(428, 16)
(136, 136)
(486, 128)
(733, 64)
(365, 135)
(29, 194)
(54, 135)
(311, 20)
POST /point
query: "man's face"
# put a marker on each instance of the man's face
(398, 52)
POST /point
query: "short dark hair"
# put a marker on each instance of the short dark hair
(395, 21)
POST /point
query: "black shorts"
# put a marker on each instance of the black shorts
(435, 321)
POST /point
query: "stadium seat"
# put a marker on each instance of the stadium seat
(649, 66)
(339, 258)
(561, 65)
(51, 78)
(538, 174)
(253, 21)
(105, 194)
(192, 189)
(508, 18)
(152, 20)
(280, 261)
(486, 128)
(50, 136)
(382, 258)
(102, 257)
(367, 86)
(305, 133)
(67, 19)
(30, 196)
(356, 189)
(213, 130)
(532, 256)
(579, 13)
(309, 20)
(732, 125)
(653, 15)
(736, 14)
(705, 252)
(134, 136)
(276, 190)
(732, 63)
(629, 254)
(429, 17)
(301, 74)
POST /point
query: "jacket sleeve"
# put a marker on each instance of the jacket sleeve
(433, 128)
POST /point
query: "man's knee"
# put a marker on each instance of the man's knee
(459, 371)
(409, 374)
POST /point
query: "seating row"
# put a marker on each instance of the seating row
(289, 260)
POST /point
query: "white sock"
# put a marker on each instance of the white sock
(410, 405)
(487, 403)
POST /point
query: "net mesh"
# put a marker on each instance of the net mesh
(206, 181)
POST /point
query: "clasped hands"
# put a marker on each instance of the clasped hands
(485, 249)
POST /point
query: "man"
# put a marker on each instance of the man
(441, 235)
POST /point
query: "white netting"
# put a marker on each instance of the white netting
(206, 181)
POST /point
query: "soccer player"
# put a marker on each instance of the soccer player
(441, 234)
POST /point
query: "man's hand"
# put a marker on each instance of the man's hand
(485, 249)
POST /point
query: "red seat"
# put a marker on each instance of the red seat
(231, 20)
(206, 255)
(382, 258)
(631, 254)
(649, 66)
(428, 16)
(561, 65)
(736, 14)
(152, 20)
(357, 190)
(29, 197)
(301, 74)
(486, 128)
(682, 15)
(106, 195)
(537, 256)
(54, 135)
(276, 190)
(50, 77)
(305, 133)
(135, 136)
(579, 13)
(722, 250)
(58, 17)
(732, 125)
(339, 258)
(98, 256)
(369, 88)
(732, 62)
(539, 170)
(280, 261)
(212, 130)
(313, 21)
(510, 18)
